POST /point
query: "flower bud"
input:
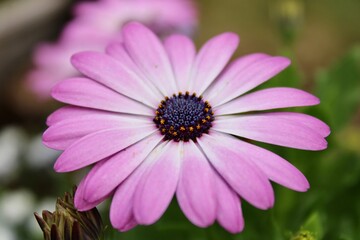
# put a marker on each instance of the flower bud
(304, 235)
(66, 223)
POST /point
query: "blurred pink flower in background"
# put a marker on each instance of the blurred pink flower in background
(98, 23)
(136, 118)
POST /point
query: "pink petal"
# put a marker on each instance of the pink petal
(272, 129)
(149, 55)
(84, 92)
(211, 60)
(268, 99)
(115, 75)
(118, 51)
(61, 135)
(130, 224)
(250, 77)
(229, 212)
(99, 145)
(121, 210)
(80, 203)
(273, 166)
(181, 51)
(309, 121)
(105, 179)
(232, 71)
(121, 215)
(64, 113)
(242, 175)
(195, 192)
(157, 187)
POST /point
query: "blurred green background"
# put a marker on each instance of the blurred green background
(322, 37)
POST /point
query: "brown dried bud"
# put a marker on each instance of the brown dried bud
(66, 223)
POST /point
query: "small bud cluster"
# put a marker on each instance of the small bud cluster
(66, 223)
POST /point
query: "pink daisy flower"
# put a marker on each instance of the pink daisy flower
(96, 24)
(158, 119)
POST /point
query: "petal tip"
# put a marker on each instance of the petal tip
(267, 207)
(74, 59)
(127, 226)
(78, 201)
(204, 223)
(78, 58)
(143, 220)
(304, 188)
(267, 202)
(133, 26)
(286, 60)
(323, 145)
(281, 61)
(315, 100)
(235, 229)
(46, 138)
(60, 167)
(328, 131)
(81, 205)
(49, 120)
(302, 185)
(54, 92)
(234, 36)
(231, 38)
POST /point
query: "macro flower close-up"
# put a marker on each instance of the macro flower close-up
(98, 23)
(158, 119)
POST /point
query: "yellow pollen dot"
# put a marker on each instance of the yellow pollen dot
(212, 113)
(194, 94)
(156, 118)
(162, 121)
(161, 106)
(200, 97)
(180, 93)
(191, 129)
(208, 117)
(166, 98)
(206, 110)
(174, 95)
(171, 128)
(174, 134)
(163, 130)
(182, 128)
(157, 112)
(198, 126)
(203, 120)
(162, 102)
(187, 93)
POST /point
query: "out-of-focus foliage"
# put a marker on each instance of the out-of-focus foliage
(339, 90)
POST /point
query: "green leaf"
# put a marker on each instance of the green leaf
(339, 89)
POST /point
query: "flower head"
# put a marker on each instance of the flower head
(95, 25)
(158, 119)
